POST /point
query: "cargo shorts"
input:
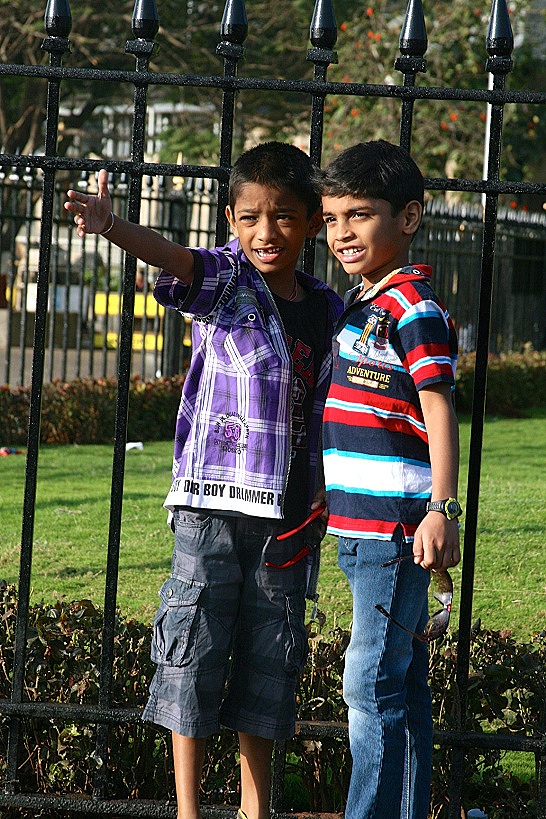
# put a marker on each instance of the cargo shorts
(229, 636)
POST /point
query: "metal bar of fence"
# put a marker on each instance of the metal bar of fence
(499, 47)
(237, 83)
(304, 730)
(413, 44)
(310, 729)
(233, 31)
(323, 36)
(208, 172)
(51, 339)
(142, 49)
(56, 46)
(24, 314)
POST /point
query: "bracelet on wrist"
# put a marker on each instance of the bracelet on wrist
(111, 225)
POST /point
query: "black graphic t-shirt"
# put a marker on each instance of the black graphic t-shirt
(304, 322)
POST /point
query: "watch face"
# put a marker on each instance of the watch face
(453, 509)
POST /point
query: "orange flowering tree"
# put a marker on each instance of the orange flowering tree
(448, 136)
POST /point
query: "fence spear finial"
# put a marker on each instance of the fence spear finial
(323, 30)
(58, 19)
(413, 38)
(234, 25)
(145, 21)
(500, 40)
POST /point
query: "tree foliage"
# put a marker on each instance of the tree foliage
(448, 136)
(187, 39)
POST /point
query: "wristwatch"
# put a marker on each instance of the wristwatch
(450, 507)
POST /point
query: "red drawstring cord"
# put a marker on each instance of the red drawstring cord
(300, 555)
(306, 549)
(314, 514)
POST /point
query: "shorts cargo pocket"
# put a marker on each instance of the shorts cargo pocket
(296, 643)
(174, 637)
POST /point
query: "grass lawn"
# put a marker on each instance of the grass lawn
(72, 521)
(510, 572)
(72, 517)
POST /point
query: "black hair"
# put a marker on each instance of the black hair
(278, 165)
(378, 170)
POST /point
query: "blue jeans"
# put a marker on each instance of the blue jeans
(385, 683)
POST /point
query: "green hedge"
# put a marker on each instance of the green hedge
(516, 382)
(83, 411)
(507, 694)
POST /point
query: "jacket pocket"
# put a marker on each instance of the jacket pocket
(249, 351)
(175, 625)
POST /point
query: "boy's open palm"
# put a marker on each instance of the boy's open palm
(92, 211)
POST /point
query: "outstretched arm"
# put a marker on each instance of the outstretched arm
(93, 214)
(436, 541)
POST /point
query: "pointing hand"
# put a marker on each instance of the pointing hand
(92, 212)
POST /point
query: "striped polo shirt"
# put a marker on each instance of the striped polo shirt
(389, 343)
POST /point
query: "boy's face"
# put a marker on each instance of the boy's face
(366, 238)
(272, 225)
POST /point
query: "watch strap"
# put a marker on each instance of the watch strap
(450, 507)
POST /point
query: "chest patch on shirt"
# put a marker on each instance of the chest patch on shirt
(232, 431)
(368, 347)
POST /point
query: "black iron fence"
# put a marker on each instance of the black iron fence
(86, 277)
(50, 264)
(85, 294)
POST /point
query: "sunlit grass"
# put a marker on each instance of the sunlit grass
(72, 524)
(510, 572)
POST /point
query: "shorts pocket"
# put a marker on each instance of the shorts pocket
(174, 636)
(190, 519)
(297, 638)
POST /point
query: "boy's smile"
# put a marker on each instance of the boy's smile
(272, 225)
(366, 238)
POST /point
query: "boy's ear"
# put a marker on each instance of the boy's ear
(315, 224)
(231, 220)
(413, 213)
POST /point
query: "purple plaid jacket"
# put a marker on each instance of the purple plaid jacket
(233, 430)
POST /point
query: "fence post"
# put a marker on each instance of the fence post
(145, 23)
(499, 44)
(58, 22)
(233, 31)
(323, 36)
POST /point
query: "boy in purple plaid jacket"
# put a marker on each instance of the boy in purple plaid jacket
(229, 636)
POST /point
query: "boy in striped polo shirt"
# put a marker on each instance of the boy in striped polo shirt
(390, 451)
